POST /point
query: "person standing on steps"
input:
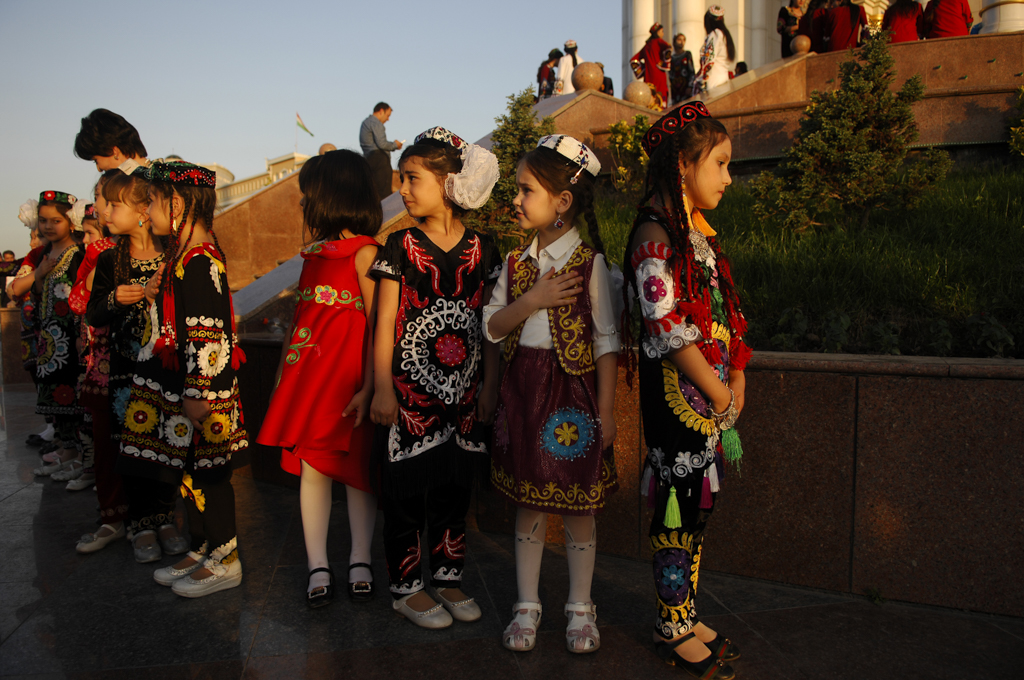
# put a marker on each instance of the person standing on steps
(377, 149)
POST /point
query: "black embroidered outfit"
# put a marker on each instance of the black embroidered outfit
(426, 460)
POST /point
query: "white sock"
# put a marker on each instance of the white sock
(362, 515)
(315, 504)
(580, 552)
(531, 528)
(48, 433)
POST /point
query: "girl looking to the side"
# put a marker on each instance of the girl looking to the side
(436, 380)
(555, 423)
(183, 423)
(117, 301)
(94, 394)
(319, 413)
(692, 358)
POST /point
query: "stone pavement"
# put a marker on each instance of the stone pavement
(64, 615)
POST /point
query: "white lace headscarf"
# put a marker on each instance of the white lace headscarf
(471, 187)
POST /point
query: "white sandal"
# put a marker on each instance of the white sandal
(581, 635)
(521, 634)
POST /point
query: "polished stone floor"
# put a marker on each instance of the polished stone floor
(64, 615)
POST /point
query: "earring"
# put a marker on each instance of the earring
(558, 221)
(140, 221)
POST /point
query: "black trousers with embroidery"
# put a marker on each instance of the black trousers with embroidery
(443, 511)
(210, 505)
(677, 555)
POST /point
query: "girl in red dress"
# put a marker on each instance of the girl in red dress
(318, 414)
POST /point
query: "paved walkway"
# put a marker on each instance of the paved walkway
(64, 615)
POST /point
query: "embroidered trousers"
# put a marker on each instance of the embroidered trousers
(443, 511)
(150, 503)
(210, 505)
(677, 556)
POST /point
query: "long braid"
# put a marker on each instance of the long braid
(122, 261)
(586, 208)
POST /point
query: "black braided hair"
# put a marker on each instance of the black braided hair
(555, 173)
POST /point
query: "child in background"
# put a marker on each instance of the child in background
(28, 213)
(691, 369)
(555, 423)
(183, 423)
(319, 413)
(117, 301)
(57, 355)
(432, 395)
(94, 395)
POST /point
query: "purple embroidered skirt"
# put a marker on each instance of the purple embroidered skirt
(547, 438)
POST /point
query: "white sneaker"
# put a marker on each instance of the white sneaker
(223, 576)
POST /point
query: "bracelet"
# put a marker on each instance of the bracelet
(727, 418)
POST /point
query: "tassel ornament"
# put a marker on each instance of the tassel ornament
(672, 517)
(732, 449)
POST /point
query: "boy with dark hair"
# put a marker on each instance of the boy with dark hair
(109, 140)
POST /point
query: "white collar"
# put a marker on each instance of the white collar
(564, 244)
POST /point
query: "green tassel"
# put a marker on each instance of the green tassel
(732, 449)
(672, 518)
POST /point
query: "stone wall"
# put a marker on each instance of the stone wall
(898, 475)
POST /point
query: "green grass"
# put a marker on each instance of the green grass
(944, 279)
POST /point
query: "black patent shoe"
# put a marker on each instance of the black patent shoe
(321, 596)
(723, 648)
(711, 668)
(360, 591)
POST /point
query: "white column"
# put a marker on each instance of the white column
(1001, 18)
(643, 17)
(688, 19)
(757, 36)
(627, 42)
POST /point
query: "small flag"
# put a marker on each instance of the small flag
(298, 121)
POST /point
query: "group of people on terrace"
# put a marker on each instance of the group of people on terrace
(837, 25)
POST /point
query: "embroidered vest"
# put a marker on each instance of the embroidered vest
(570, 325)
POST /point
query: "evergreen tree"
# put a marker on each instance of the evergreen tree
(517, 132)
(850, 155)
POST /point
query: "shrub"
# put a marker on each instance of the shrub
(849, 157)
(517, 132)
(628, 155)
(1017, 125)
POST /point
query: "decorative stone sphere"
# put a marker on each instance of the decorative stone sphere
(587, 76)
(638, 92)
(800, 44)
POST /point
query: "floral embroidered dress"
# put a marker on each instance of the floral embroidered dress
(57, 366)
(323, 369)
(29, 327)
(547, 453)
(437, 359)
(93, 386)
(127, 327)
(155, 430)
(684, 462)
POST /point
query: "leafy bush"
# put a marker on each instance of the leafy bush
(517, 132)
(628, 155)
(909, 283)
(1017, 125)
(849, 156)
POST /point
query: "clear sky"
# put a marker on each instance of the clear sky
(220, 82)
